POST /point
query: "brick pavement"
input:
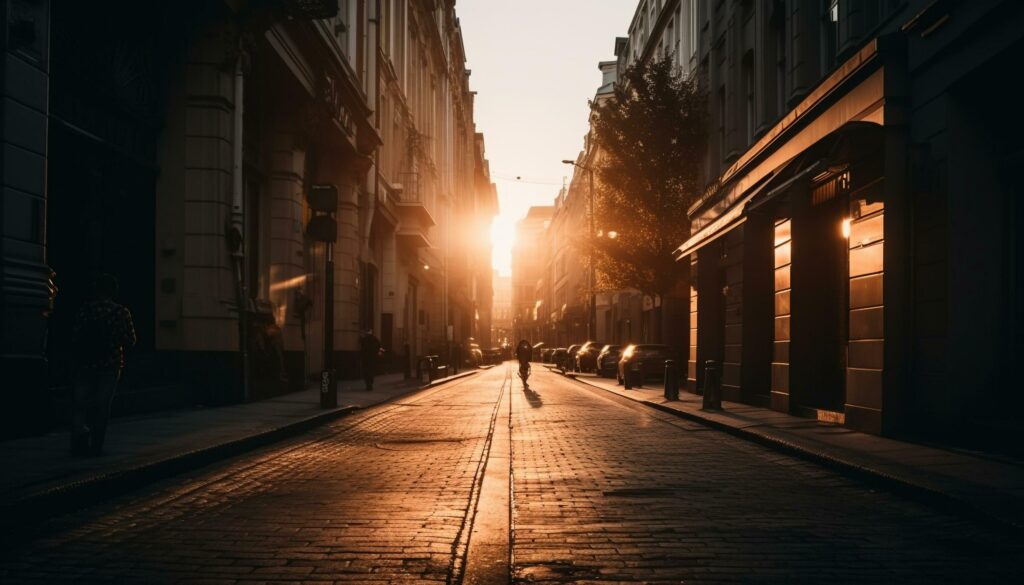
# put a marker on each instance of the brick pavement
(608, 490)
(983, 485)
(603, 490)
(379, 497)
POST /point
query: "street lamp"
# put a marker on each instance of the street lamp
(592, 320)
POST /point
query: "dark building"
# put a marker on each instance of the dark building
(176, 145)
(140, 140)
(856, 254)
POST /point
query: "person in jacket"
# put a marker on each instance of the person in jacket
(103, 331)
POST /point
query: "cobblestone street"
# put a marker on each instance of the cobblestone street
(602, 490)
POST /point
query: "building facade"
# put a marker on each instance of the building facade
(181, 157)
(529, 265)
(856, 250)
(501, 320)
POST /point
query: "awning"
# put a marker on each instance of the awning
(724, 223)
(810, 171)
(848, 143)
(851, 143)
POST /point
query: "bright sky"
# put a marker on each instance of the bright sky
(534, 66)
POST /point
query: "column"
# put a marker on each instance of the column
(25, 285)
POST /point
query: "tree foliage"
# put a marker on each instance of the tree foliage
(650, 136)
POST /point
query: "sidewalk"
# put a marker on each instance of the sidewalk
(41, 478)
(991, 488)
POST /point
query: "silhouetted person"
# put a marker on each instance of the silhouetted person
(103, 330)
(369, 350)
(524, 353)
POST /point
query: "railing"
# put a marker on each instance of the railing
(410, 188)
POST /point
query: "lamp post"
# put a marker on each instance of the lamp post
(592, 311)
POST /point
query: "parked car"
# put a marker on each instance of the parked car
(646, 361)
(558, 356)
(608, 360)
(569, 364)
(537, 348)
(492, 355)
(474, 355)
(586, 357)
(545, 354)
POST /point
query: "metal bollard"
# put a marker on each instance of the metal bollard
(639, 373)
(627, 377)
(671, 380)
(712, 386)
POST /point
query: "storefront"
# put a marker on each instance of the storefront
(788, 252)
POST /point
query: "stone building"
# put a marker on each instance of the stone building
(856, 251)
(436, 193)
(528, 267)
(181, 156)
(501, 322)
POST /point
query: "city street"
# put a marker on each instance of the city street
(601, 489)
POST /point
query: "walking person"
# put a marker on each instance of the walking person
(102, 332)
(369, 350)
(524, 352)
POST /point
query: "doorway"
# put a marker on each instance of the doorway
(820, 298)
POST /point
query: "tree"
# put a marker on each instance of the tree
(650, 137)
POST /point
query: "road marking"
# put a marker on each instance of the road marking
(487, 552)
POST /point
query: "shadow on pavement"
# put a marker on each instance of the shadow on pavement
(533, 398)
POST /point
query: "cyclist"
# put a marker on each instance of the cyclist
(523, 353)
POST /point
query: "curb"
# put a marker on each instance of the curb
(861, 472)
(90, 491)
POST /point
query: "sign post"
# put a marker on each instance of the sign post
(323, 227)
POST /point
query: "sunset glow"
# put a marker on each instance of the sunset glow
(503, 237)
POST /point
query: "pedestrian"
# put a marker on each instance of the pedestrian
(103, 330)
(369, 350)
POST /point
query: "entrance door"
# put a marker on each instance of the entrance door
(820, 299)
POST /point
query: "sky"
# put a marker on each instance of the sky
(534, 66)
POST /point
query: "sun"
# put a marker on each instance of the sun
(503, 237)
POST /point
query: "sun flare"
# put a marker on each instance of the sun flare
(503, 237)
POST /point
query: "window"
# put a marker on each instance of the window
(829, 35)
(721, 120)
(780, 66)
(692, 12)
(748, 96)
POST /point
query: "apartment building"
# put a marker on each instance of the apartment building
(181, 156)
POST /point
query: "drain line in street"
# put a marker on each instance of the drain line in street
(481, 551)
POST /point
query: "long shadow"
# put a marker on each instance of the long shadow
(533, 398)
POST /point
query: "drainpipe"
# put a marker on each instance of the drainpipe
(238, 222)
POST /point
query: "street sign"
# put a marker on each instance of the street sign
(322, 228)
(323, 198)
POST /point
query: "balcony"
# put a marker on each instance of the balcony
(411, 202)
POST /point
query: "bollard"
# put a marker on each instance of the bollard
(639, 373)
(627, 377)
(430, 369)
(712, 386)
(420, 363)
(671, 380)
